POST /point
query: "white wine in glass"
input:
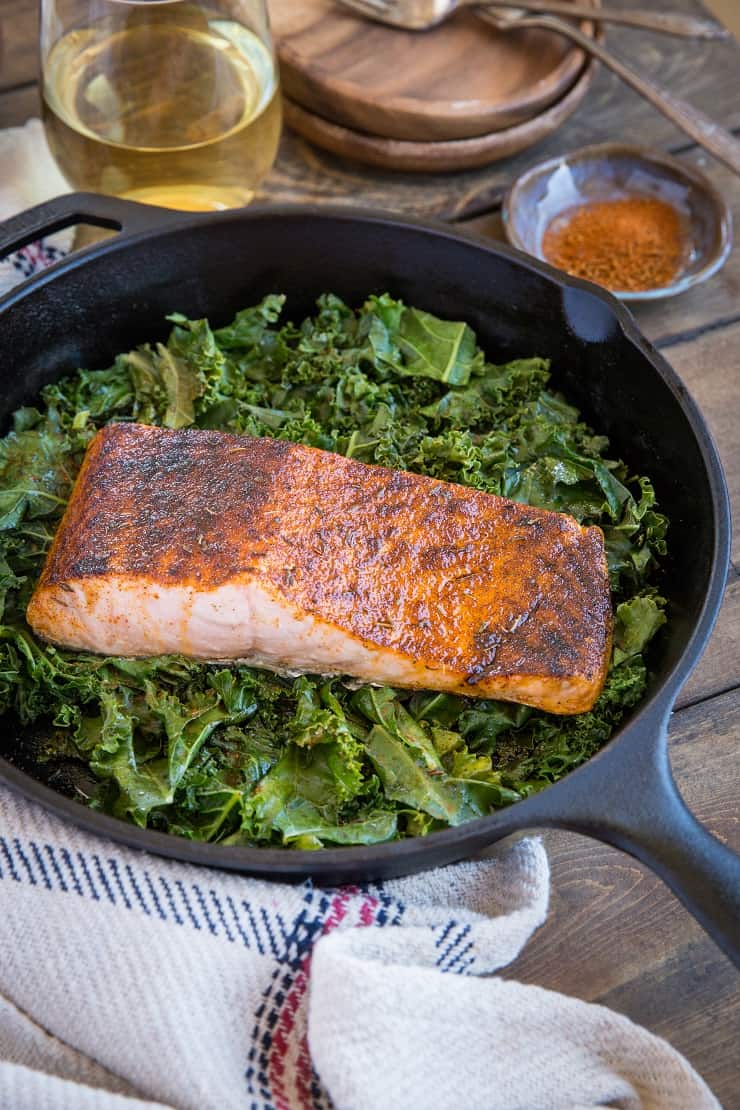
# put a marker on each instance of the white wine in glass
(162, 101)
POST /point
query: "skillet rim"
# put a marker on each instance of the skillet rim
(290, 863)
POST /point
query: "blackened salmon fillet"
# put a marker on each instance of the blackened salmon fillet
(224, 547)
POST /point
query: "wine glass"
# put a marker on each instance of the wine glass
(169, 102)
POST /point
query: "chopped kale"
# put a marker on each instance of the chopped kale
(239, 755)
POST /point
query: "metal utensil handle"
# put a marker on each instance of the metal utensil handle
(669, 23)
(635, 805)
(79, 208)
(702, 128)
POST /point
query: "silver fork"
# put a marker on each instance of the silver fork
(421, 14)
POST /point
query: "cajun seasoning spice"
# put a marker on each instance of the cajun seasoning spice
(628, 244)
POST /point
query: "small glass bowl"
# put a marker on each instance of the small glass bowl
(611, 171)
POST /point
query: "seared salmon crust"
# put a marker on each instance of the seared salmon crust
(230, 547)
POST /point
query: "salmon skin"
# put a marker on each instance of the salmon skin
(224, 547)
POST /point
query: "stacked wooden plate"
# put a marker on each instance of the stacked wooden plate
(454, 97)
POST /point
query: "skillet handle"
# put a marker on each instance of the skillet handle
(634, 804)
(80, 208)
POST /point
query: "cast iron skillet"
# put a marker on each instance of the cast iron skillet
(115, 295)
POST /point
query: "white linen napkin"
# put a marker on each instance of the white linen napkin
(128, 981)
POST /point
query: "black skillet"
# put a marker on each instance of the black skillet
(117, 294)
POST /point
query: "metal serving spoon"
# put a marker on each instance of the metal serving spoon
(421, 14)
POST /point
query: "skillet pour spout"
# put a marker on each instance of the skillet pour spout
(212, 265)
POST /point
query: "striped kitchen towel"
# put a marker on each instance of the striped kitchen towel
(128, 981)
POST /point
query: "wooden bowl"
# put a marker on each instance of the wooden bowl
(460, 154)
(461, 80)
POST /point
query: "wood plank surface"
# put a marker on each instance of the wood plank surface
(615, 934)
(719, 667)
(710, 366)
(19, 20)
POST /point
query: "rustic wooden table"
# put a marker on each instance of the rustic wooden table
(615, 934)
